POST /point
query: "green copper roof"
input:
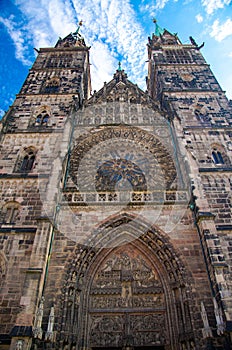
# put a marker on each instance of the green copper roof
(158, 30)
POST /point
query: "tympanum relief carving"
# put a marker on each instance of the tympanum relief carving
(127, 302)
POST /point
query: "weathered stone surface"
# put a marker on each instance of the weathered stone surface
(117, 209)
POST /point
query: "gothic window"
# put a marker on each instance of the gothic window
(97, 120)
(42, 118)
(52, 61)
(3, 266)
(217, 157)
(52, 86)
(202, 115)
(178, 56)
(26, 160)
(10, 212)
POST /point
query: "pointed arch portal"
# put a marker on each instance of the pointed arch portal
(127, 294)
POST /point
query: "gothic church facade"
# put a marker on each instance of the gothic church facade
(115, 223)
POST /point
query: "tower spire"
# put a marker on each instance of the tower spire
(76, 33)
(158, 30)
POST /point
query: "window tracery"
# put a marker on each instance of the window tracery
(42, 118)
(114, 171)
(202, 114)
(10, 212)
(26, 161)
(3, 266)
(219, 156)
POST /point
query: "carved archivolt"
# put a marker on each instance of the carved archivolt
(133, 293)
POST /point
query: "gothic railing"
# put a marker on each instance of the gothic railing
(153, 197)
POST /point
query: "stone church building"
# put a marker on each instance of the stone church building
(115, 221)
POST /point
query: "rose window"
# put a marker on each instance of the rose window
(120, 173)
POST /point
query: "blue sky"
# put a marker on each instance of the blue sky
(115, 30)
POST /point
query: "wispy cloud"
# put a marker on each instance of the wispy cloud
(160, 4)
(152, 8)
(110, 27)
(18, 37)
(113, 25)
(1, 113)
(199, 18)
(221, 31)
(213, 5)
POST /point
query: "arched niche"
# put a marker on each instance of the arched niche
(127, 287)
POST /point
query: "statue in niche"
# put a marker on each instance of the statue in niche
(19, 344)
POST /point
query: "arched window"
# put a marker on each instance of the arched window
(202, 114)
(42, 118)
(26, 161)
(3, 266)
(217, 157)
(10, 212)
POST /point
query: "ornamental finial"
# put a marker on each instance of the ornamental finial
(158, 30)
(78, 28)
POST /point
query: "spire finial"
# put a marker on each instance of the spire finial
(158, 30)
(119, 66)
(78, 28)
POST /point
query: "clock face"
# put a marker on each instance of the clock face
(121, 159)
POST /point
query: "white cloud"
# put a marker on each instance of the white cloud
(109, 26)
(2, 112)
(230, 54)
(220, 32)
(199, 18)
(160, 4)
(213, 5)
(18, 37)
(101, 70)
(153, 8)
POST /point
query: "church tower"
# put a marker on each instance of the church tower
(34, 131)
(180, 78)
(115, 207)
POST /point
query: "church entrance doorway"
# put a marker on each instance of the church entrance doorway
(127, 304)
(127, 296)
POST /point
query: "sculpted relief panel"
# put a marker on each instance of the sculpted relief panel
(127, 305)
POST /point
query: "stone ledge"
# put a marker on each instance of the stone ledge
(5, 339)
(213, 170)
(224, 227)
(205, 215)
(219, 264)
(34, 270)
(21, 331)
(18, 229)
(23, 175)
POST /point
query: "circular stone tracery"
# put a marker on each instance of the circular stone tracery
(114, 171)
(93, 152)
